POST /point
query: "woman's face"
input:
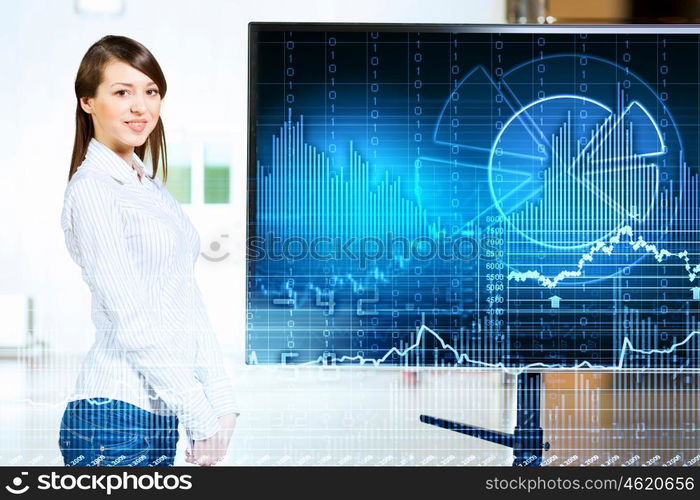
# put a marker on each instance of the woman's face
(125, 108)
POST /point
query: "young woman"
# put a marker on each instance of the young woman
(155, 361)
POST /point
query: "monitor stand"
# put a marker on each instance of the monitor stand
(527, 439)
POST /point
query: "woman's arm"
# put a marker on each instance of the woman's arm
(92, 214)
(209, 363)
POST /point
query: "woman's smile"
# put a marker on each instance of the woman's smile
(137, 125)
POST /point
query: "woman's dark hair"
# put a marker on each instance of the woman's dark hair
(107, 49)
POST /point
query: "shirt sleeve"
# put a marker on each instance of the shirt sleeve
(209, 363)
(114, 282)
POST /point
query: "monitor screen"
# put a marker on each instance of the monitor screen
(473, 196)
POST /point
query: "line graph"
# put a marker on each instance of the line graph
(463, 358)
(607, 249)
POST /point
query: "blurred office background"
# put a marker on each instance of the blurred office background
(290, 415)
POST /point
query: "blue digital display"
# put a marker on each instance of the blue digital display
(447, 196)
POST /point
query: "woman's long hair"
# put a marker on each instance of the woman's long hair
(105, 50)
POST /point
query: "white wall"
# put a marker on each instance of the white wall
(202, 48)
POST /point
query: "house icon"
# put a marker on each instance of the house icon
(554, 301)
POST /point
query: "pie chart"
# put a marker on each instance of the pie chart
(566, 171)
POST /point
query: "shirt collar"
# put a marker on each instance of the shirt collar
(103, 158)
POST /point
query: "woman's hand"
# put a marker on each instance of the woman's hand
(210, 451)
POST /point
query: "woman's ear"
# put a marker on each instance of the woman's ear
(86, 104)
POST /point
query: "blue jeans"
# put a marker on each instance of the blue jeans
(108, 432)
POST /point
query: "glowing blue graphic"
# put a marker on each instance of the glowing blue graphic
(530, 210)
(584, 192)
(417, 349)
(299, 195)
(608, 249)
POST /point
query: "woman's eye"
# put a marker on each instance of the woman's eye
(123, 92)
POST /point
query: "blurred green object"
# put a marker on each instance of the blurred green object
(217, 159)
(180, 183)
(216, 184)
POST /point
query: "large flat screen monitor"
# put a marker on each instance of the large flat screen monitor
(474, 196)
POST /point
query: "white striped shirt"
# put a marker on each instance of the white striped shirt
(154, 344)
